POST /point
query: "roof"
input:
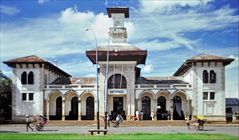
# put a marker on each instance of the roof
(201, 58)
(160, 80)
(33, 59)
(83, 80)
(118, 52)
(204, 56)
(61, 81)
(232, 101)
(124, 10)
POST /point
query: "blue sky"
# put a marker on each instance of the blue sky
(171, 31)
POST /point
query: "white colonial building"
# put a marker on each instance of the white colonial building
(41, 88)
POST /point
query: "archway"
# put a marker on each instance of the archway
(162, 114)
(178, 113)
(117, 81)
(74, 109)
(146, 108)
(90, 108)
(58, 108)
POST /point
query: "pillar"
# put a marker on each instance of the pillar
(79, 110)
(47, 108)
(171, 109)
(63, 109)
(155, 109)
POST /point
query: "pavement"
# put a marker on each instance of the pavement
(209, 129)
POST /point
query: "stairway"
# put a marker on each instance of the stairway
(124, 123)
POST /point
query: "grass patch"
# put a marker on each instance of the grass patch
(140, 136)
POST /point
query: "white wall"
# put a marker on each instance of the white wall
(195, 76)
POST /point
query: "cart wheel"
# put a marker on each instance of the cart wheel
(38, 127)
(200, 127)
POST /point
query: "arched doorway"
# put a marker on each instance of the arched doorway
(58, 108)
(117, 81)
(90, 108)
(146, 108)
(177, 108)
(162, 114)
(74, 109)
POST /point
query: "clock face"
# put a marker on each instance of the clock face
(117, 23)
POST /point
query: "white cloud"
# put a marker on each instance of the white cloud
(148, 68)
(234, 64)
(42, 1)
(9, 10)
(150, 28)
(169, 5)
(61, 35)
(78, 67)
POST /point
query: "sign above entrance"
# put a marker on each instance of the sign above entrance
(117, 91)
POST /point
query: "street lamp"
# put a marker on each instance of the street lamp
(97, 78)
(106, 83)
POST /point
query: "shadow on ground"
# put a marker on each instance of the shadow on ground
(9, 132)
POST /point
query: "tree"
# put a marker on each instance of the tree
(5, 97)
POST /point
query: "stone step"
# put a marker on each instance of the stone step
(124, 123)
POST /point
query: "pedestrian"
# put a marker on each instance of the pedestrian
(188, 123)
(137, 115)
(141, 115)
(119, 119)
(152, 115)
(108, 120)
(28, 122)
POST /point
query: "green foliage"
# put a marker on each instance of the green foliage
(144, 136)
(5, 96)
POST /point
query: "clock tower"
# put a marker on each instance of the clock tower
(118, 33)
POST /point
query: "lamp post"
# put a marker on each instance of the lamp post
(97, 78)
(106, 84)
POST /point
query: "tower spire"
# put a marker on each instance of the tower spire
(118, 32)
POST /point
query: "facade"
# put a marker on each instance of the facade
(197, 87)
(232, 109)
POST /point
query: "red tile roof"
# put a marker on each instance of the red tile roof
(201, 58)
(32, 59)
(205, 56)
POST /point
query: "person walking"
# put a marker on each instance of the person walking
(188, 123)
(28, 122)
(137, 115)
(108, 120)
(119, 119)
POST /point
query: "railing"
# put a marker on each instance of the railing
(90, 86)
(162, 86)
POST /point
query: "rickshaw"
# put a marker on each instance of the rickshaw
(41, 122)
(201, 120)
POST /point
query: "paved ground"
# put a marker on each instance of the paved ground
(20, 128)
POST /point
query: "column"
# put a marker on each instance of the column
(79, 110)
(171, 109)
(155, 109)
(47, 108)
(189, 109)
(63, 109)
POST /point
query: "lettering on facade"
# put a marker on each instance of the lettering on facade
(117, 91)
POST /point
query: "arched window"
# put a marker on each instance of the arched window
(146, 107)
(117, 81)
(161, 103)
(205, 76)
(212, 76)
(58, 108)
(90, 108)
(177, 108)
(24, 78)
(31, 78)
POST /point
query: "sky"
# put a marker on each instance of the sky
(170, 30)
